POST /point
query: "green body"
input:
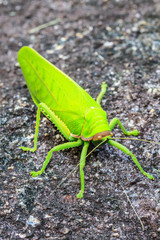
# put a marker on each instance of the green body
(74, 112)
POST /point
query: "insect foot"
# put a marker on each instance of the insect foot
(80, 194)
(134, 133)
(35, 174)
(148, 175)
(27, 149)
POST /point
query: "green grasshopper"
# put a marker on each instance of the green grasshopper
(71, 109)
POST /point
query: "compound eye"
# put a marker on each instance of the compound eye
(99, 137)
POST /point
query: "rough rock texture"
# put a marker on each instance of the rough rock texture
(116, 41)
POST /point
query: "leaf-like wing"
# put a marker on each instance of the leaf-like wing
(47, 84)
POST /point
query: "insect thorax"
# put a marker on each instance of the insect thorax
(95, 122)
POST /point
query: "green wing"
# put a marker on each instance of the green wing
(47, 84)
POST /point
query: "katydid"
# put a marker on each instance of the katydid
(71, 109)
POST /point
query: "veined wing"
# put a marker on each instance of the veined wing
(51, 86)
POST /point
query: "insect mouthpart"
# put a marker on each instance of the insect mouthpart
(98, 136)
(101, 135)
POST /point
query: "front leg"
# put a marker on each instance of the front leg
(115, 121)
(63, 146)
(82, 165)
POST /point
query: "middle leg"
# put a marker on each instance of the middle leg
(115, 121)
(82, 165)
(63, 146)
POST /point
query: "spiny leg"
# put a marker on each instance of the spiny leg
(56, 120)
(82, 164)
(56, 148)
(102, 92)
(126, 150)
(36, 134)
(115, 121)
